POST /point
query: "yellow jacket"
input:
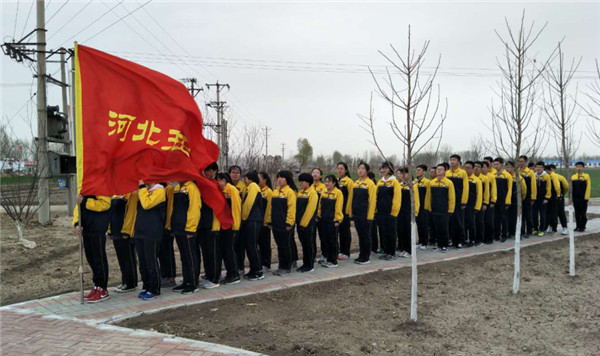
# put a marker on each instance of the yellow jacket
(192, 215)
(311, 205)
(290, 196)
(266, 193)
(555, 183)
(241, 187)
(582, 186)
(493, 187)
(478, 191)
(336, 195)
(443, 183)
(231, 193)
(99, 203)
(368, 184)
(462, 174)
(169, 195)
(130, 213)
(405, 190)
(397, 197)
(531, 174)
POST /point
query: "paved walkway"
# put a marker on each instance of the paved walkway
(60, 325)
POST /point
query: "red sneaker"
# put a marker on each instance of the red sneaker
(101, 295)
(91, 293)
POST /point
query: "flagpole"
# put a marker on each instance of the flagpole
(74, 145)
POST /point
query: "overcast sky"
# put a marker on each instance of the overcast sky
(299, 68)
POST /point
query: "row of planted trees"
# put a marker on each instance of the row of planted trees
(519, 123)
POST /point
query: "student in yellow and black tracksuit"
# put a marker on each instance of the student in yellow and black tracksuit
(227, 238)
(552, 209)
(504, 185)
(362, 200)
(184, 219)
(528, 176)
(373, 232)
(485, 202)
(581, 191)
(123, 209)
(490, 217)
(319, 187)
(306, 211)
(282, 219)
(459, 178)
(432, 242)
(264, 242)
(95, 217)
(544, 193)
(441, 204)
(235, 175)
(422, 184)
(149, 228)
(564, 189)
(389, 198)
(166, 254)
(331, 215)
(208, 237)
(253, 219)
(404, 221)
(511, 213)
(474, 203)
(490, 162)
(346, 185)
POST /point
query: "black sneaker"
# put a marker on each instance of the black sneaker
(189, 289)
(503, 240)
(230, 280)
(180, 287)
(282, 272)
(255, 276)
(360, 261)
(305, 269)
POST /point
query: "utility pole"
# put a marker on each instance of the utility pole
(71, 183)
(43, 166)
(192, 88)
(267, 129)
(219, 106)
(283, 151)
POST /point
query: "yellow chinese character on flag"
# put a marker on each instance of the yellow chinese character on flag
(122, 121)
(179, 142)
(144, 127)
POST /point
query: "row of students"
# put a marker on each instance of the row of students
(257, 210)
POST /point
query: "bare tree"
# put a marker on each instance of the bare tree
(593, 108)
(515, 119)
(248, 147)
(560, 105)
(419, 124)
(18, 192)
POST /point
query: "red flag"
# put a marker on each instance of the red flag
(135, 123)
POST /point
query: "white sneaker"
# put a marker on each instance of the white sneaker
(549, 230)
(565, 231)
(422, 247)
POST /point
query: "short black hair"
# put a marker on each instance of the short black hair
(499, 160)
(540, 163)
(471, 163)
(477, 163)
(580, 163)
(455, 156)
(530, 164)
(423, 167)
(485, 163)
(488, 158)
(221, 176)
(510, 163)
(524, 157)
(446, 165)
(389, 165)
(212, 167)
(371, 175)
(231, 168)
(345, 165)
(552, 165)
(547, 167)
(402, 170)
(305, 177)
(252, 175)
(442, 165)
(333, 180)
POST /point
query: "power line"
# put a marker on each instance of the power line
(119, 20)
(57, 11)
(70, 20)
(16, 17)
(27, 21)
(88, 26)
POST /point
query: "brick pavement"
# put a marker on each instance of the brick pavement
(60, 325)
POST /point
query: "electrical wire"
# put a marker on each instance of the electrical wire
(89, 25)
(56, 13)
(70, 20)
(119, 20)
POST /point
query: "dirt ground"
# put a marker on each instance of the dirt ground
(51, 268)
(465, 307)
